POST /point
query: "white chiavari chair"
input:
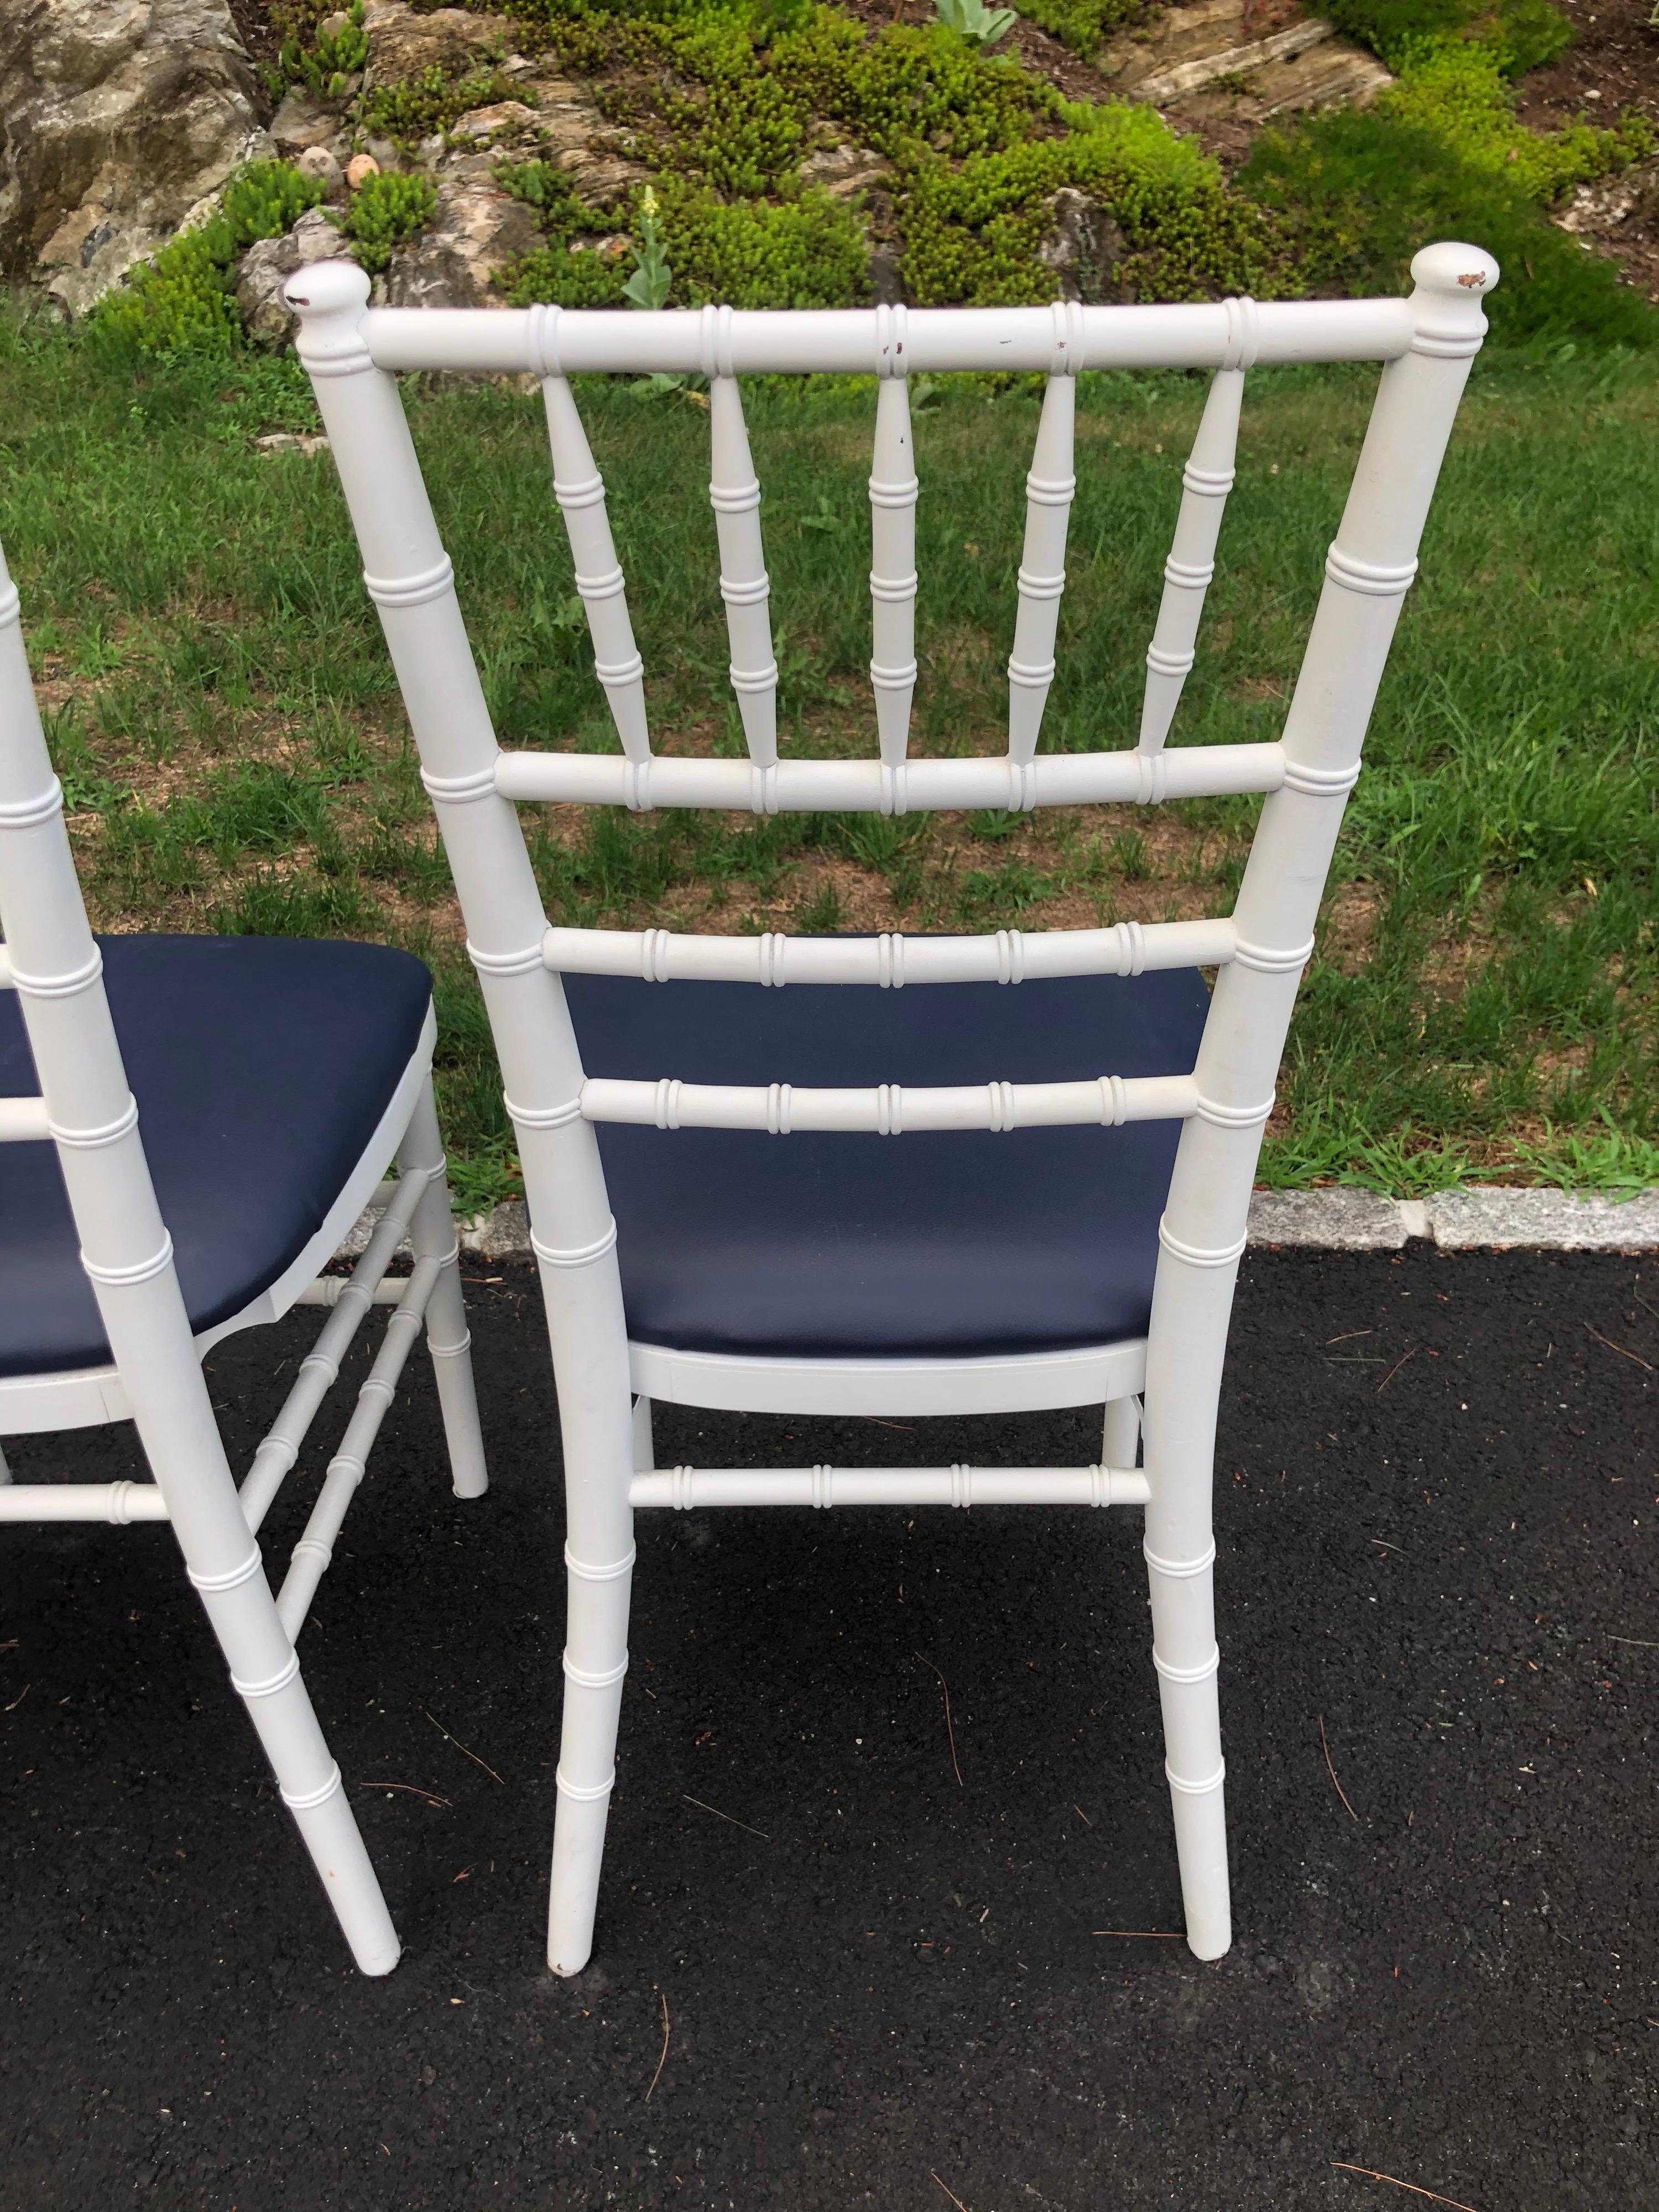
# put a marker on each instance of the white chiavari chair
(188, 1126)
(1089, 1257)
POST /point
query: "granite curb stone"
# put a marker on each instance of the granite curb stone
(1482, 1218)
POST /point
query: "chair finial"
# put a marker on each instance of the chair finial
(1451, 282)
(329, 298)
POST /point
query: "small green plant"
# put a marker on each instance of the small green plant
(559, 273)
(649, 285)
(183, 302)
(1084, 25)
(973, 21)
(821, 914)
(384, 210)
(324, 67)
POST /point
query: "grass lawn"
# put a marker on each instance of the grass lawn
(1483, 1001)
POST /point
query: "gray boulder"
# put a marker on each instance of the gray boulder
(266, 267)
(119, 122)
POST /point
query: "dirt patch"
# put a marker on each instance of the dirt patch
(1612, 63)
(1347, 928)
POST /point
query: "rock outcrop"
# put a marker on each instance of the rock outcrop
(403, 44)
(1242, 59)
(120, 119)
(266, 268)
(477, 228)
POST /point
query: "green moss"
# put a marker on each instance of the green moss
(1524, 34)
(564, 278)
(806, 251)
(972, 231)
(184, 300)
(1458, 91)
(1439, 155)
(724, 106)
(384, 210)
(556, 272)
(426, 106)
(1084, 26)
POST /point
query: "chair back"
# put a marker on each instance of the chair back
(1425, 342)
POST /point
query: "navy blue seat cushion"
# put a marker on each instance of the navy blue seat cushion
(262, 1066)
(950, 1244)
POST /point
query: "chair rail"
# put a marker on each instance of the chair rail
(682, 1488)
(890, 1109)
(891, 960)
(880, 341)
(870, 786)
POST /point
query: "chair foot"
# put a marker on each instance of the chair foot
(573, 1893)
(595, 1663)
(458, 1396)
(265, 1670)
(1200, 1828)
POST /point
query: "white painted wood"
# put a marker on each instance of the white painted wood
(329, 1290)
(893, 490)
(23, 1122)
(1049, 490)
(644, 1456)
(889, 962)
(579, 490)
(448, 1341)
(1121, 1435)
(1426, 342)
(574, 1236)
(1204, 1222)
(155, 1376)
(119, 1504)
(860, 342)
(314, 1551)
(682, 1488)
(734, 493)
(1205, 482)
(890, 1110)
(894, 1389)
(320, 1370)
(877, 787)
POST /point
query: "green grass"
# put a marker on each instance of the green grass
(1484, 999)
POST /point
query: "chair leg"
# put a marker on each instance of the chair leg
(595, 1662)
(182, 1444)
(1120, 1444)
(432, 1234)
(1186, 1349)
(644, 1449)
(585, 1324)
(1183, 1624)
(243, 1613)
